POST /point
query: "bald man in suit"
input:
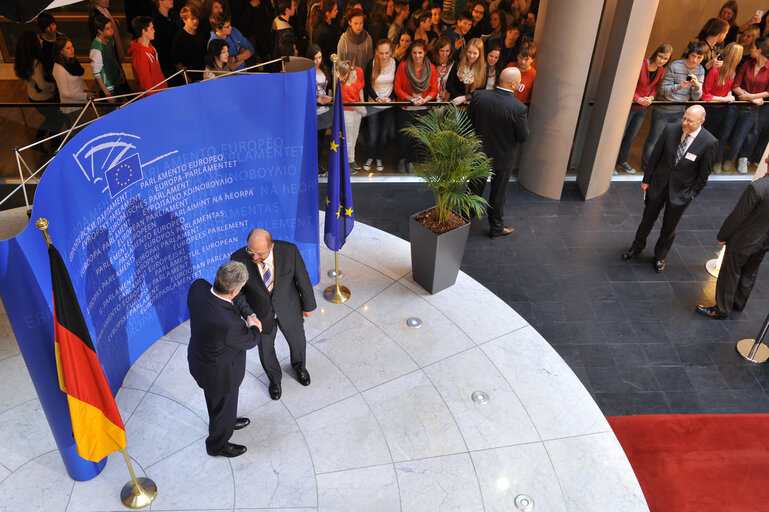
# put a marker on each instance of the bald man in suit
(677, 171)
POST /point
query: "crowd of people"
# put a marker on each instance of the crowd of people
(726, 62)
(418, 51)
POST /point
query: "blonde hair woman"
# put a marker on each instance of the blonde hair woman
(468, 74)
(718, 89)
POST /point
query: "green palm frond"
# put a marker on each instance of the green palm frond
(451, 155)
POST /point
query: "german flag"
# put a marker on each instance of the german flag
(96, 422)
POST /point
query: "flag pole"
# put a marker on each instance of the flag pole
(335, 293)
(139, 492)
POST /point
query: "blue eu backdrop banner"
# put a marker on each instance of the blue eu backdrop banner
(151, 197)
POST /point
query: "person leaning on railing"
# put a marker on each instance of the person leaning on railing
(718, 89)
(469, 74)
(682, 82)
(68, 74)
(29, 67)
(652, 70)
(751, 84)
(380, 87)
(322, 96)
(217, 59)
(416, 81)
(352, 82)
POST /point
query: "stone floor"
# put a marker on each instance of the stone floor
(631, 335)
(387, 424)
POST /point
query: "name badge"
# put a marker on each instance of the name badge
(690, 156)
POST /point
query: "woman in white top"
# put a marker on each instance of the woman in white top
(323, 98)
(380, 77)
(443, 58)
(68, 74)
(28, 67)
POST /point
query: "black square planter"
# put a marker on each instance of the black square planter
(435, 259)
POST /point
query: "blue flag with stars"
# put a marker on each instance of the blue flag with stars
(124, 174)
(339, 212)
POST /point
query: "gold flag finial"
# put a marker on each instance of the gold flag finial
(42, 225)
(334, 57)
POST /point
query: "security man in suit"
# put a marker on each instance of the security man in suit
(220, 334)
(746, 235)
(279, 293)
(501, 121)
(678, 170)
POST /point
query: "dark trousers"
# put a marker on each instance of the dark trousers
(497, 197)
(297, 346)
(634, 121)
(761, 135)
(222, 412)
(720, 121)
(747, 117)
(670, 220)
(381, 130)
(407, 147)
(736, 278)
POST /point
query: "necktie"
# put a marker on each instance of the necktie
(681, 149)
(267, 276)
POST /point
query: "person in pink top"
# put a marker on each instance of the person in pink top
(652, 70)
(718, 89)
(144, 57)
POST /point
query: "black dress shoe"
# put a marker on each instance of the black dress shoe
(242, 423)
(507, 230)
(711, 312)
(629, 254)
(229, 450)
(275, 390)
(659, 265)
(303, 376)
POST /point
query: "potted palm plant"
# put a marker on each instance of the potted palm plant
(451, 155)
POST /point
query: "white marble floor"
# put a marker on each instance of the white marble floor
(388, 423)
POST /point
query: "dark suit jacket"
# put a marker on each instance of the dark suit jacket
(291, 290)
(747, 227)
(501, 121)
(686, 178)
(219, 339)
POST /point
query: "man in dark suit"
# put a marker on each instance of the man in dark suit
(746, 234)
(279, 293)
(220, 334)
(678, 170)
(501, 122)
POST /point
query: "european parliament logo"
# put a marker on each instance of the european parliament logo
(124, 174)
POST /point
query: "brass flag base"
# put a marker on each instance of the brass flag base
(336, 293)
(139, 495)
(139, 492)
(752, 351)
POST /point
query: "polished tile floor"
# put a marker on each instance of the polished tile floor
(388, 423)
(630, 335)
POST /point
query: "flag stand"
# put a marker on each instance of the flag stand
(336, 293)
(139, 492)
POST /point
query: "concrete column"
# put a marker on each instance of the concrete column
(568, 35)
(625, 51)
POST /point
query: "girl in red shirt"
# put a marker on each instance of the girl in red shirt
(416, 81)
(352, 81)
(718, 89)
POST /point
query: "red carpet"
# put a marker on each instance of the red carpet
(699, 462)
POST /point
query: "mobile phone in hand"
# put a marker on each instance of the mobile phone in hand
(689, 78)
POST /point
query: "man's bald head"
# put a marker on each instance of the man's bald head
(259, 245)
(509, 78)
(693, 119)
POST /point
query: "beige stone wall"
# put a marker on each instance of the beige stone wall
(678, 21)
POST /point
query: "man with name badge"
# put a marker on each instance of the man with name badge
(279, 293)
(677, 172)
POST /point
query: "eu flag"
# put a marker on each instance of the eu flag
(124, 174)
(339, 212)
